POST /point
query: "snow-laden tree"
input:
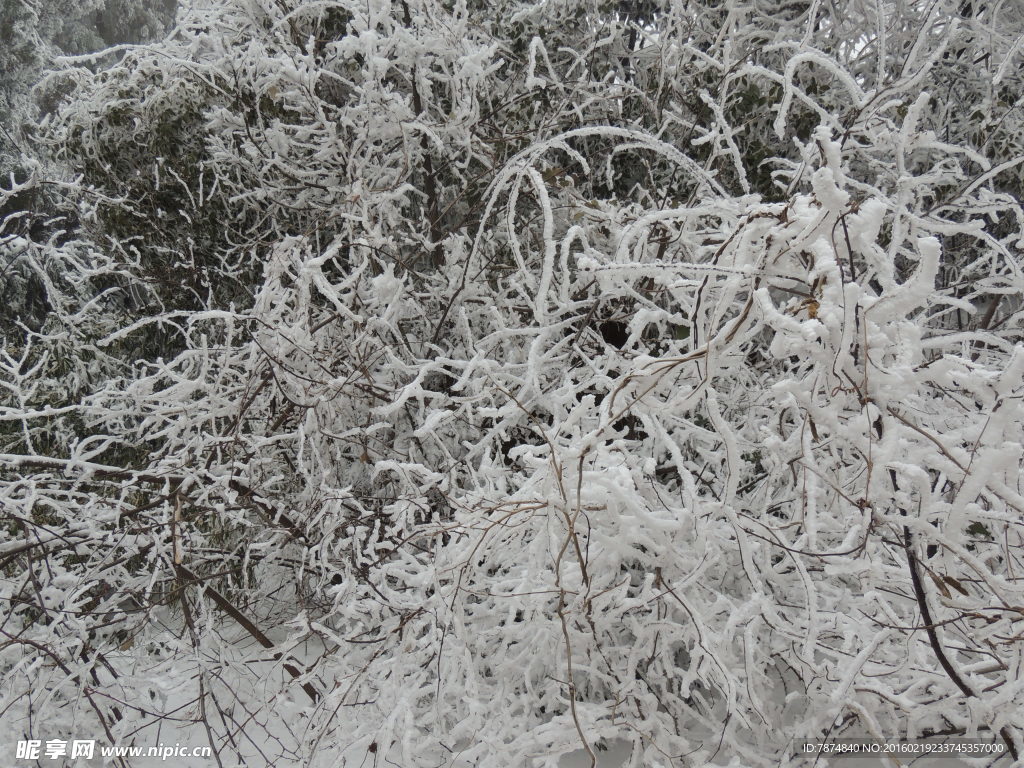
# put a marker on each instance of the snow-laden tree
(33, 35)
(471, 383)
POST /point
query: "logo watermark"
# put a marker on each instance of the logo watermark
(51, 749)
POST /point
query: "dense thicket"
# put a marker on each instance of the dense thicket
(32, 36)
(473, 383)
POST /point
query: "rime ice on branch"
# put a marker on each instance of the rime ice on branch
(481, 383)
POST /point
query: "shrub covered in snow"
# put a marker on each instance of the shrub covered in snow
(447, 383)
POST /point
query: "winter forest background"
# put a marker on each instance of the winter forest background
(459, 382)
